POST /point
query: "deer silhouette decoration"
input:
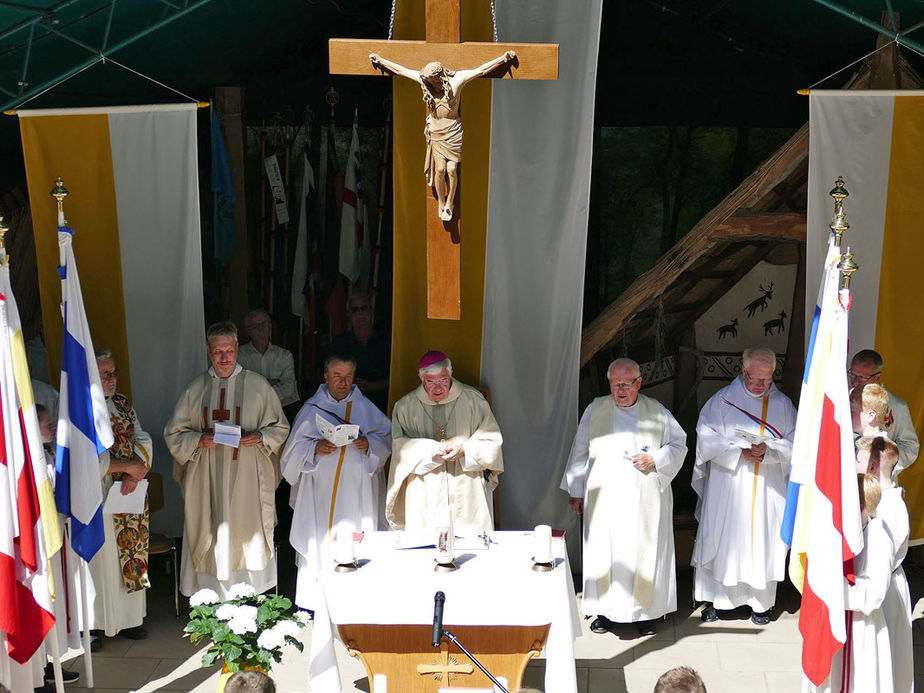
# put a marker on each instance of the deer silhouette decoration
(770, 325)
(760, 302)
(731, 328)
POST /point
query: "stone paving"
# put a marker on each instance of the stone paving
(731, 655)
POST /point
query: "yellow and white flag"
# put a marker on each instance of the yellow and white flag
(133, 184)
(875, 140)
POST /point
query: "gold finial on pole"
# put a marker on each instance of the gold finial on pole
(847, 266)
(839, 222)
(59, 192)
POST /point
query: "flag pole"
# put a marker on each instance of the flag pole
(52, 637)
(59, 192)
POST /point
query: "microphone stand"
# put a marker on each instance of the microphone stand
(455, 641)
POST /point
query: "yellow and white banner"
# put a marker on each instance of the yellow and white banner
(133, 204)
(875, 140)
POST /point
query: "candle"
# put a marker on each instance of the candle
(542, 544)
(343, 548)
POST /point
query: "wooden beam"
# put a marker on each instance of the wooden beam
(787, 226)
(694, 245)
(534, 60)
(444, 21)
(743, 268)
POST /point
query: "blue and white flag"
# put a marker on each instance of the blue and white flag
(84, 428)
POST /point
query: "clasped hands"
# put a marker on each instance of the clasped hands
(133, 471)
(448, 451)
(755, 453)
(325, 447)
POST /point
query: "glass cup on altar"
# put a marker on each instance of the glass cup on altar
(444, 536)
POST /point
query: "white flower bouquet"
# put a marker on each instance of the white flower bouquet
(248, 630)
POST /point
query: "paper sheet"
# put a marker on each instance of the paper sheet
(341, 435)
(131, 503)
(227, 434)
(753, 438)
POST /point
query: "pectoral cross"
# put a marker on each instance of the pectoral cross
(448, 667)
(443, 44)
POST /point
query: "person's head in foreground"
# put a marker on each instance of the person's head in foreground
(250, 682)
(680, 680)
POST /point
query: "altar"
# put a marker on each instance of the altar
(496, 604)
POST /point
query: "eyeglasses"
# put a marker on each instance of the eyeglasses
(625, 386)
(360, 309)
(442, 382)
(758, 381)
(862, 378)
(258, 325)
(109, 375)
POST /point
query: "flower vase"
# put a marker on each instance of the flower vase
(226, 674)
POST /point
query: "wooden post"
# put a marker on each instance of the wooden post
(228, 102)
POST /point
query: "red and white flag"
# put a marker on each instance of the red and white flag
(29, 531)
(826, 532)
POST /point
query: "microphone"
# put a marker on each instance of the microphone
(438, 600)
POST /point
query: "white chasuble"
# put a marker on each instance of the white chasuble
(629, 565)
(228, 493)
(336, 494)
(739, 555)
(418, 484)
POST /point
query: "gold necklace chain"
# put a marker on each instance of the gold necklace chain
(440, 432)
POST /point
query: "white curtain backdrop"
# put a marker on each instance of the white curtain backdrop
(154, 161)
(541, 147)
(850, 135)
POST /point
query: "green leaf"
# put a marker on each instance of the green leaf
(210, 657)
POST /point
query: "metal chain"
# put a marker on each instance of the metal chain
(391, 20)
(494, 20)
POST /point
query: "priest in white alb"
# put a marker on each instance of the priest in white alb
(228, 492)
(627, 450)
(743, 451)
(334, 487)
(446, 452)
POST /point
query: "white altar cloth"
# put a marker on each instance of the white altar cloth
(496, 586)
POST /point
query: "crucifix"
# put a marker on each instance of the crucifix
(443, 58)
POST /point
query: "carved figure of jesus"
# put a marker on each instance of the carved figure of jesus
(442, 94)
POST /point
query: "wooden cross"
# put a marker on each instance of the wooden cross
(448, 667)
(443, 44)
